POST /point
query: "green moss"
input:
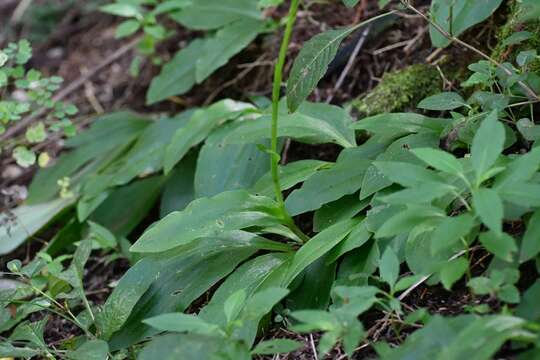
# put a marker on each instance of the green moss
(400, 90)
(502, 52)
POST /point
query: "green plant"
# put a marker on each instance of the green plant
(27, 93)
(411, 204)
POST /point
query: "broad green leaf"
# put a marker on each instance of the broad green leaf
(439, 160)
(179, 322)
(261, 273)
(487, 145)
(399, 124)
(418, 195)
(318, 246)
(530, 245)
(276, 346)
(450, 231)
(529, 10)
(517, 38)
(389, 267)
(343, 209)
(443, 101)
(109, 134)
(8, 350)
(457, 16)
(311, 64)
(199, 126)
(406, 220)
(529, 130)
(141, 194)
(169, 282)
(177, 76)
(290, 175)
(90, 350)
(489, 207)
(312, 287)
(185, 347)
(28, 220)
(500, 244)
(227, 42)
(528, 308)
(223, 167)
(313, 123)
(408, 174)
(232, 210)
(144, 158)
(357, 237)
(521, 194)
(350, 3)
(213, 14)
(453, 271)
(522, 168)
(327, 185)
(179, 190)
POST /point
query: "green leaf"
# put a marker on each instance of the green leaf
(443, 101)
(311, 64)
(418, 195)
(453, 271)
(357, 237)
(177, 76)
(343, 209)
(521, 194)
(501, 245)
(199, 126)
(233, 304)
(487, 145)
(318, 246)
(110, 213)
(90, 350)
(407, 174)
(389, 267)
(406, 220)
(290, 175)
(327, 185)
(213, 14)
(28, 219)
(440, 160)
(489, 207)
(108, 136)
(179, 190)
(517, 38)
(190, 346)
(530, 245)
(399, 124)
(127, 28)
(227, 42)
(232, 210)
(223, 167)
(102, 235)
(529, 10)
(450, 231)
(36, 133)
(179, 322)
(520, 169)
(313, 123)
(350, 3)
(457, 16)
(170, 281)
(122, 9)
(276, 346)
(529, 130)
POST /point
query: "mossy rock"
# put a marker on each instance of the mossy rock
(400, 90)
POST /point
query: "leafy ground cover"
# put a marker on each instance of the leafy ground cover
(235, 199)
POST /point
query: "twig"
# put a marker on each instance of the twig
(350, 62)
(530, 92)
(20, 10)
(62, 94)
(312, 343)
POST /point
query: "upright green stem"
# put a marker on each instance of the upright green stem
(276, 94)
